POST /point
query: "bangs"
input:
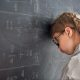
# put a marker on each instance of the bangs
(57, 28)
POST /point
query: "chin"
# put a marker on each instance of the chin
(69, 52)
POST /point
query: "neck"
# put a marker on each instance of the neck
(77, 39)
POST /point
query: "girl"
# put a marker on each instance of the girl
(65, 33)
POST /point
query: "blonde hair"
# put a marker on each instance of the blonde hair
(67, 18)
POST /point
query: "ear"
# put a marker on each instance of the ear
(68, 31)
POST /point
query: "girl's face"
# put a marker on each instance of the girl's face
(65, 41)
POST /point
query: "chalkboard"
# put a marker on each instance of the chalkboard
(26, 49)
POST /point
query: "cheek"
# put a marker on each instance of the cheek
(69, 44)
(66, 45)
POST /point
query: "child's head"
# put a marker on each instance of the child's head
(65, 32)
